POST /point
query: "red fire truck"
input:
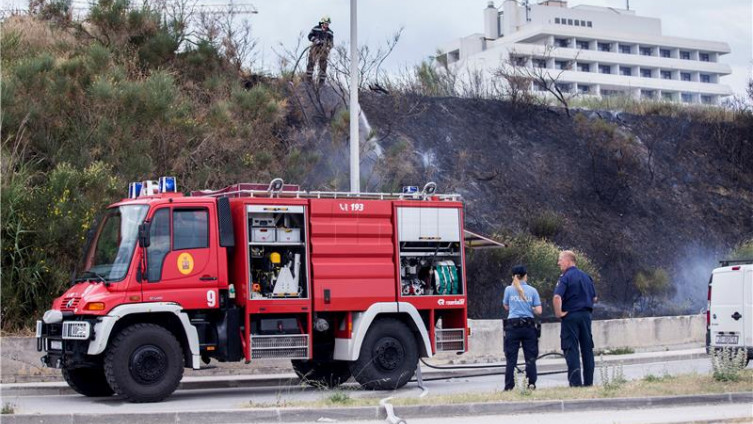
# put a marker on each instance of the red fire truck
(343, 284)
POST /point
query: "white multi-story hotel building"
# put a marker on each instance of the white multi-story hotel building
(599, 51)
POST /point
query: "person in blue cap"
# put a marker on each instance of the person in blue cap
(522, 302)
(574, 298)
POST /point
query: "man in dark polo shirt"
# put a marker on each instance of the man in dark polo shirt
(574, 299)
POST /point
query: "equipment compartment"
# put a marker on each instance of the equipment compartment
(277, 252)
(430, 268)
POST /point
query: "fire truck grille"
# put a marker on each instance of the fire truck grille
(449, 340)
(69, 304)
(280, 346)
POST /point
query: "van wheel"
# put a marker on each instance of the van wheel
(88, 381)
(144, 363)
(388, 357)
(322, 374)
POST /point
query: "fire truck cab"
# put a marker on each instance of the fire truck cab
(343, 284)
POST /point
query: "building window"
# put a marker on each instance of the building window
(577, 22)
(569, 21)
(685, 76)
(562, 65)
(605, 69)
(687, 97)
(666, 96)
(707, 100)
(583, 45)
(646, 73)
(584, 88)
(539, 86)
(589, 24)
(584, 67)
(684, 55)
(556, 20)
(646, 51)
(704, 57)
(562, 42)
(582, 23)
(625, 71)
(565, 88)
(539, 63)
(648, 94)
(665, 53)
(705, 78)
(666, 74)
(604, 47)
(625, 49)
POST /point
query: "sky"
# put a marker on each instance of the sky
(430, 24)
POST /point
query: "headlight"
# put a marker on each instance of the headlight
(76, 330)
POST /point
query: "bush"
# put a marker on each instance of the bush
(546, 224)
(743, 250)
(490, 272)
(727, 363)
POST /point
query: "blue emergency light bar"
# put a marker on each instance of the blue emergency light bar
(167, 185)
(149, 187)
(410, 189)
(134, 190)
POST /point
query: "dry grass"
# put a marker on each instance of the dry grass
(686, 384)
(38, 36)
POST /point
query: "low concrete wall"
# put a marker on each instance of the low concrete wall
(636, 333)
(20, 359)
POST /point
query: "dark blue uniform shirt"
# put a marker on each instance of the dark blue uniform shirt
(576, 288)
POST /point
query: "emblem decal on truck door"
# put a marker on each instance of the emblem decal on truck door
(185, 263)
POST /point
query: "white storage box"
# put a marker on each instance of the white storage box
(288, 235)
(263, 234)
(262, 220)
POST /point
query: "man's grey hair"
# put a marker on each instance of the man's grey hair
(570, 255)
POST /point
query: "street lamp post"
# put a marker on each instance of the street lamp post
(355, 173)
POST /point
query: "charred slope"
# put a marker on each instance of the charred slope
(634, 192)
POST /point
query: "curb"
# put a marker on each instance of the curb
(289, 379)
(373, 412)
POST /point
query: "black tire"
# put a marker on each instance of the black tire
(88, 381)
(388, 357)
(144, 363)
(322, 374)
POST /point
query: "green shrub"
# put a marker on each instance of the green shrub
(546, 224)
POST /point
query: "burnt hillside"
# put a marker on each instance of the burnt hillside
(633, 192)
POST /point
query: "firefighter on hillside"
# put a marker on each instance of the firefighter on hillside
(322, 40)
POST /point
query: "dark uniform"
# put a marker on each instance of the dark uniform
(322, 39)
(576, 288)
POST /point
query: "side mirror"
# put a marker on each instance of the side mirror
(144, 234)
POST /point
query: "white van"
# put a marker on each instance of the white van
(729, 317)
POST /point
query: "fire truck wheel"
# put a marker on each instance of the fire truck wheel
(144, 363)
(388, 357)
(322, 374)
(88, 381)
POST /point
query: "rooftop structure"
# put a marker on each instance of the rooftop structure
(599, 51)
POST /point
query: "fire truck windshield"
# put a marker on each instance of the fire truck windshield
(109, 254)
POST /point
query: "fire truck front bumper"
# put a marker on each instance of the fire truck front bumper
(64, 342)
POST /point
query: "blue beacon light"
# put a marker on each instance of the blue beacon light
(134, 190)
(167, 185)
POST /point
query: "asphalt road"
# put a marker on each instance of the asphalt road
(232, 398)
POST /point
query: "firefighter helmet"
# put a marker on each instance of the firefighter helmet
(325, 20)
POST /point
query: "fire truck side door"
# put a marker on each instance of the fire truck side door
(182, 262)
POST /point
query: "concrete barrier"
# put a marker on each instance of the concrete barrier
(635, 333)
(20, 360)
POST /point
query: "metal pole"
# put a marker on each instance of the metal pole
(355, 173)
